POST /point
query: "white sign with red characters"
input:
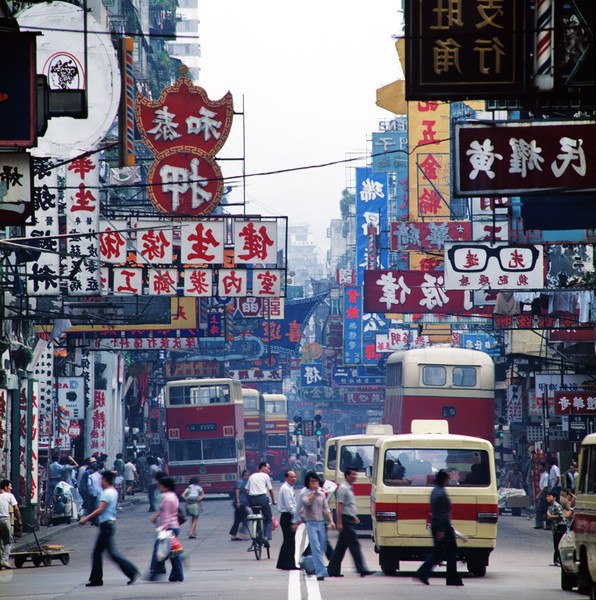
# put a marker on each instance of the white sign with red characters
(154, 243)
(202, 242)
(232, 283)
(255, 242)
(184, 129)
(112, 241)
(198, 282)
(127, 282)
(163, 282)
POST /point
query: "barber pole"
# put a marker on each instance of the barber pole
(543, 67)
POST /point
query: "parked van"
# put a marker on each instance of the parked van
(584, 522)
(355, 452)
(403, 474)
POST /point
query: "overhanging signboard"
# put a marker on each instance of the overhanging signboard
(464, 49)
(355, 376)
(521, 158)
(493, 266)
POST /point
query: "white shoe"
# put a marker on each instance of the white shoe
(6, 565)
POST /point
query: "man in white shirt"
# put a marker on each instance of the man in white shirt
(540, 501)
(554, 477)
(287, 508)
(257, 487)
(7, 500)
(95, 490)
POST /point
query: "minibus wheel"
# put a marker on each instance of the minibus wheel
(477, 567)
(387, 561)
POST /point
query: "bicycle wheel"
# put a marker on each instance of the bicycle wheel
(258, 542)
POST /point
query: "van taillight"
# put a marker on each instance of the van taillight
(386, 517)
(487, 517)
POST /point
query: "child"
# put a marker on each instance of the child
(193, 495)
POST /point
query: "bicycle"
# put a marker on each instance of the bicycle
(254, 524)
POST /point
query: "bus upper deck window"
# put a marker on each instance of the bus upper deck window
(394, 374)
(464, 376)
(434, 375)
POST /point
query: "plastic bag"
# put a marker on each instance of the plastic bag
(164, 545)
(274, 523)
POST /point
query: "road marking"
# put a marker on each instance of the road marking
(312, 587)
(294, 585)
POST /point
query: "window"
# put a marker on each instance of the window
(195, 451)
(332, 456)
(251, 403)
(252, 440)
(356, 457)
(277, 440)
(185, 451)
(418, 466)
(210, 394)
(179, 395)
(588, 471)
(464, 376)
(394, 374)
(434, 375)
(219, 448)
(275, 406)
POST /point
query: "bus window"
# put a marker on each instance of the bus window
(394, 374)
(277, 440)
(275, 406)
(185, 451)
(416, 466)
(210, 394)
(589, 460)
(219, 448)
(251, 403)
(179, 396)
(464, 376)
(356, 457)
(332, 456)
(434, 375)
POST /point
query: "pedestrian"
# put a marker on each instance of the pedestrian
(570, 477)
(257, 486)
(240, 504)
(130, 476)
(347, 519)
(152, 487)
(95, 489)
(445, 547)
(106, 513)
(513, 479)
(540, 500)
(69, 469)
(83, 484)
(554, 477)
(56, 470)
(119, 481)
(167, 518)
(315, 508)
(7, 501)
(287, 507)
(193, 495)
(554, 514)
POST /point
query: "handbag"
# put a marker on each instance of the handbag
(181, 516)
(274, 523)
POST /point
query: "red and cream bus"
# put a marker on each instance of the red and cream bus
(277, 443)
(205, 426)
(254, 427)
(452, 384)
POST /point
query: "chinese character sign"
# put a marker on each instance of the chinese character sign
(510, 158)
(255, 242)
(390, 149)
(371, 220)
(352, 316)
(578, 403)
(497, 267)
(82, 217)
(430, 235)
(112, 241)
(311, 375)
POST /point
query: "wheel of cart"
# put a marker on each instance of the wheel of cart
(41, 555)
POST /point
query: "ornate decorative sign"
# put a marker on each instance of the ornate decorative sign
(184, 129)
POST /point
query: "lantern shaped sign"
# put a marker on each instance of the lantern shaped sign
(184, 130)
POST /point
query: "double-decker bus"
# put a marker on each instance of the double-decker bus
(205, 427)
(254, 427)
(277, 450)
(452, 384)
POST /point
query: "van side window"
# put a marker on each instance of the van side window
(464, 376)
(591, 487)
(434, 375)
(332, 457)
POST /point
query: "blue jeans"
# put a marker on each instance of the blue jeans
(105, 541)
(317, 538)
(158, 567)
(151, 495)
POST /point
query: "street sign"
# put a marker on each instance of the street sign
(308, 427)
(74, 430)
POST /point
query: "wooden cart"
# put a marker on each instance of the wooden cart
(41, 554)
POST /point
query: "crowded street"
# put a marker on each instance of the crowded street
(216, 568)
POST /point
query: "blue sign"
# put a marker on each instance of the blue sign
(355, 376)
(352, 317)
(372, 324)
(389, 150)
(480, 341)
(311, 375)
(372, 226)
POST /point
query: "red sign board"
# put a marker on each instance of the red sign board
(517, 158)
(429, 235)
(389, 291)
(576, 403)
(74, 430)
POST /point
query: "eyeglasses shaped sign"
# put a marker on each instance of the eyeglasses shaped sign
(511, 259)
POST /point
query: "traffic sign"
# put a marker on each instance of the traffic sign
(74, 430)
(308, 427)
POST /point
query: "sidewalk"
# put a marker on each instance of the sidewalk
(47, 533)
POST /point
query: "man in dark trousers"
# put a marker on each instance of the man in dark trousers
(445, 547)
(346, 520)
(106, 512)
(286, 505)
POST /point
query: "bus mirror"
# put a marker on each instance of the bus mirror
(368, 472)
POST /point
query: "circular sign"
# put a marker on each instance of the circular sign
(60, 55)
(74, 430)
(184, 182)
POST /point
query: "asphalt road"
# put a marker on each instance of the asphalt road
(217, 569)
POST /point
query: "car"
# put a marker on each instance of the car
(569, 561)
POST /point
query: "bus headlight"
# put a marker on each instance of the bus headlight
(487, 517)
(386, 517)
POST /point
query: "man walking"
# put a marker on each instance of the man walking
(347, 518)
(554, 515)
(257, 487)
(445, 547)
(106, 512)
(240, 505)
(7, 500)
(287, 508)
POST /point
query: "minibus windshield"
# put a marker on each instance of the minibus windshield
(356, 457)
(418, 466)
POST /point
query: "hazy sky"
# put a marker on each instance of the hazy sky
(309, 72)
